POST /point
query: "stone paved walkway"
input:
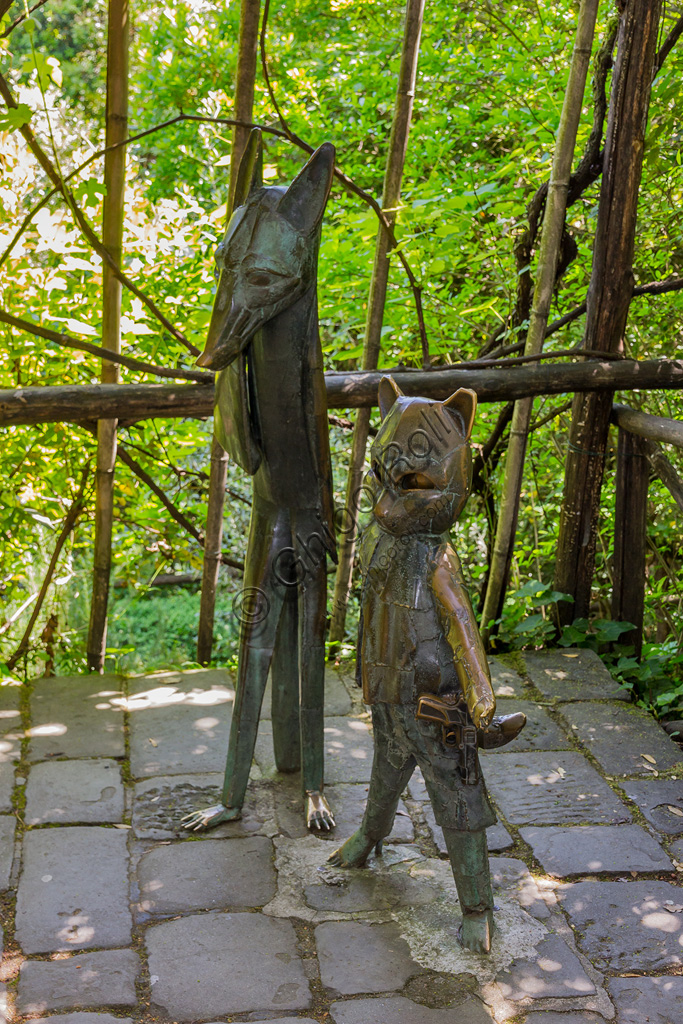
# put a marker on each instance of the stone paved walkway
(111, 912)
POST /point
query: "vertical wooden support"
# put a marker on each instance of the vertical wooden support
(243, 110)
(391, 194)
(608, 300)
(630, 524)
(546, 273)
(118, 32)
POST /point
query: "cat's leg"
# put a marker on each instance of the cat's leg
(468, 854)
(391, 772)
(259, 609)
(285, 681)
(312, 615)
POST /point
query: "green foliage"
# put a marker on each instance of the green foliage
(490, 87)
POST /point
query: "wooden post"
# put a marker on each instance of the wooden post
(630, 523)
(118, 32)
(391, 194)
(608, 300)
(243, 110)
(546, 273)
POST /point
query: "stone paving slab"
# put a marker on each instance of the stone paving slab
(656, 1000)
(207, 875)
(552, 789)
(179, 722)
(77, 716)
(73, 891)
(594, 849)
(551, 1017)
(7, 829)
(618, 736)
(11, 728)
(337, 698)
(367, 890)
(85, 1018)
(74, 791)
(555, 973)
(497, 836)
(539, 733)
(356, 957)
(506, 681)
(399, 1010)
(188, 961)
(6, 785)
(572, 675)
(90, 979)
(625, 926)
(513, 877)
(348, 750)
(348, 802)
(655, 797)
(161, 802)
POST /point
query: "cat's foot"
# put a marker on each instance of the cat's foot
(476, 931)
(502, 730)
(355, 851)
(209, 817)
(319, 815)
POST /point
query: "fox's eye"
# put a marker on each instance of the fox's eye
(259, 280)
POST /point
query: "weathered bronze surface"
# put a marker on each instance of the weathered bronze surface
(271, 417)
(421, 661)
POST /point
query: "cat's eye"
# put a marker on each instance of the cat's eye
(416, 482)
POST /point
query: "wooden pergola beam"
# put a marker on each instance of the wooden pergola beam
(132, 402)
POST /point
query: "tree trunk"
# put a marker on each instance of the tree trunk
(630, 523)
(118, 32)
(549, 252)
(608, 299)
(391, 194)
(243, 111)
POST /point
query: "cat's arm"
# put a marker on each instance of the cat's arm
(460, 628)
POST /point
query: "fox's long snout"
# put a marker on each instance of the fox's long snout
(226, 337)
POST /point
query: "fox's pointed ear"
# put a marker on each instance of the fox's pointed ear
(303, 204)
(249, 176)
(387, 393)
(462, 406)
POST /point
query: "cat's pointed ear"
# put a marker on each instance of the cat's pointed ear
(250, 173)
(303, 204)
(462, 406)
(387, 393)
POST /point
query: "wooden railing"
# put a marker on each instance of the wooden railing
(638, 453)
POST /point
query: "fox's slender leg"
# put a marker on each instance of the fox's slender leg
(312, 613)
(386, 785)
(469, 859)
(263, 598)
(285, 681)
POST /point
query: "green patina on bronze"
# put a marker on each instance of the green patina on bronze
(271, 418)
(421, 661)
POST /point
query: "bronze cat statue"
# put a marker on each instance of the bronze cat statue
(420, 660)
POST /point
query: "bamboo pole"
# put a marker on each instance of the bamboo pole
(608, 299)
(70, 520)
(391, 194)
(243, 110)
(551, 239)
(118, 31)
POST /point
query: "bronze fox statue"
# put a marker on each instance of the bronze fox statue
(420, 658)
(271, 417)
